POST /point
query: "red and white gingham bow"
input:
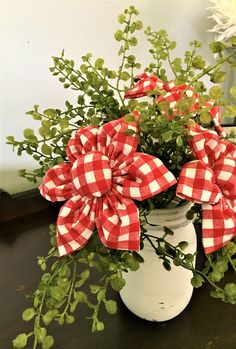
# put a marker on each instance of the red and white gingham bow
(211, 181)
(148, 82)
(102, 177)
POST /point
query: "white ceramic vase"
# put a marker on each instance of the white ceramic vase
(152, 292)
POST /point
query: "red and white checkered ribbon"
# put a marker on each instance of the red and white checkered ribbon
(211, 181)
(102, 177)
(149, 82)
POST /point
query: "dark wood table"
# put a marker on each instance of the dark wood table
(205, 324)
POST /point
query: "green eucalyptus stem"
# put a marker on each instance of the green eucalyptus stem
(120, 69)
(52, 253)
(102, 77)
(59, 116)
(97, 308)
(207, 71)
(189, 65)
(39, 312)
(38, 152)
(67, 77)
(214, 66)
(61, 134)
(190, 265)
(169, 60)
(72, 283)
(42, 301)
(150, 237)
(83, 78)
(131, 80)
(199, 272)
(231, 261)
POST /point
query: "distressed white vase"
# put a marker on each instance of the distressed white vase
(152, 292)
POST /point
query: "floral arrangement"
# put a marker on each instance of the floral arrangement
(113, 158)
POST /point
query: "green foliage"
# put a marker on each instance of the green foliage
(163, 132)
(63, 283)
(216, 266)
(28, 314)
(20, 341)
(216, 93)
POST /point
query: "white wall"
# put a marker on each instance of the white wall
(32, 31)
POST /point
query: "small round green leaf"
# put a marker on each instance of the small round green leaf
(64, 271)
(217, 46)
(121, 18)
(20, 341)
(218, 77)
(51, 113)
(132, 262)
(47, 342)
(166, 265)
(100, 326)
(138, 25)
(230, 289)
(168, 231)
(10, 139)
(29, 134)
(111, 306)
(117, 284)
(57, 293)
(183, 245)
(85, 274)
(124, 76)
(179, 141)
(216, 92)
(48, 317)
(118, 35)
(28, 314)
(216, 276)
(42, 332)
(197, 280)
(46, 149)
(70, 319)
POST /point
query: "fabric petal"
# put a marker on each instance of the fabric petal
(57, 183)
(147, 82)
(75, 224)
(82, 142)
(145, 176)
(225, 172)
(215, 112)
(197, 183)
(205, 144)
(228, 149)
(117, 221)
(218, 224)
(113, 141)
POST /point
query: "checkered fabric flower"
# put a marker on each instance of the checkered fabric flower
(211, 181)
(145, 82)
(149, 82)
(102, 177)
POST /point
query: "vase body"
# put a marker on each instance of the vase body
(152, 292)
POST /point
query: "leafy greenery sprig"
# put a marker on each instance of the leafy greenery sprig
(60, 291)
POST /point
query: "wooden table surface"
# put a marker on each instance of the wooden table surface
(205, 324)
